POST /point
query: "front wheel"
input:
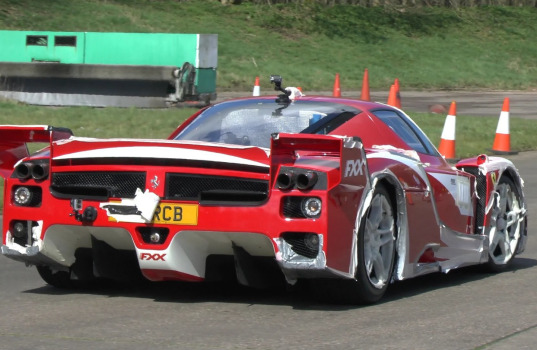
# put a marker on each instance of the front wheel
(506, 225)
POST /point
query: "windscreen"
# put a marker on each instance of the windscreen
(252, 122)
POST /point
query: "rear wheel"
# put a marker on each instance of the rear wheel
(376, 257)
(59, 279)
(376, 248)
(506, 225)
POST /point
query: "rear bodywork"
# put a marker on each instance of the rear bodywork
(104, 198)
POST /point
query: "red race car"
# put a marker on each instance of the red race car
(348, 194)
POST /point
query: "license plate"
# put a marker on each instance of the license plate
(176, 214)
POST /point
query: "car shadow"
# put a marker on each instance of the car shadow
(434, 281)
(299, 296)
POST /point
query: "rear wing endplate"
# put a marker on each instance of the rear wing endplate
(14, 139)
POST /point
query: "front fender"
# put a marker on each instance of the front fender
(488, 172)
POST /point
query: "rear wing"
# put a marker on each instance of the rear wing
(347, 152)
(14, 139)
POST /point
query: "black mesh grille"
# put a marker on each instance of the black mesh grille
(97, 184)
(300, 245)
(292, 207)
(215, 189)
(481, 187)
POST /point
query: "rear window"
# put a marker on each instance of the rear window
(252, 122)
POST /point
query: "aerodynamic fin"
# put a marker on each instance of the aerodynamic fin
(13, 140)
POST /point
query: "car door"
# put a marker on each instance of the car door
(451, 190)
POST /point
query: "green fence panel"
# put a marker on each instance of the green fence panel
(205, 80)
(32, 46)
(140, 48)
(91, 49)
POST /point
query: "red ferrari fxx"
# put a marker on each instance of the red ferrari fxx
(345, 193)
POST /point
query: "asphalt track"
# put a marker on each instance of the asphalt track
(464, 309)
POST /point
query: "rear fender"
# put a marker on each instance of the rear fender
(14, 139)
(347, 190)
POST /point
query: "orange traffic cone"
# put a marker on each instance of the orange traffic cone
(337, 90)
(447, 140)
(397, 93)
(392, 96)
(502, 141)
(365, 87)
(256, 91)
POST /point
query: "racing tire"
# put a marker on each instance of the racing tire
(58, 279)
(376, 248)
(506, 225)
(376, 257)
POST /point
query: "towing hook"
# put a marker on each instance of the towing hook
(89, 215)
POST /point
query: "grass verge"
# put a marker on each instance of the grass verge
(430, 47)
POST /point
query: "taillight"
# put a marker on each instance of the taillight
(27, 196)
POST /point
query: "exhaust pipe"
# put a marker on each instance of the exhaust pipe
(23, 170)
(40, 171)
(285, 180)
(305, 181)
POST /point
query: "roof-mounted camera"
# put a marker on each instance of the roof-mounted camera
(282, 98)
